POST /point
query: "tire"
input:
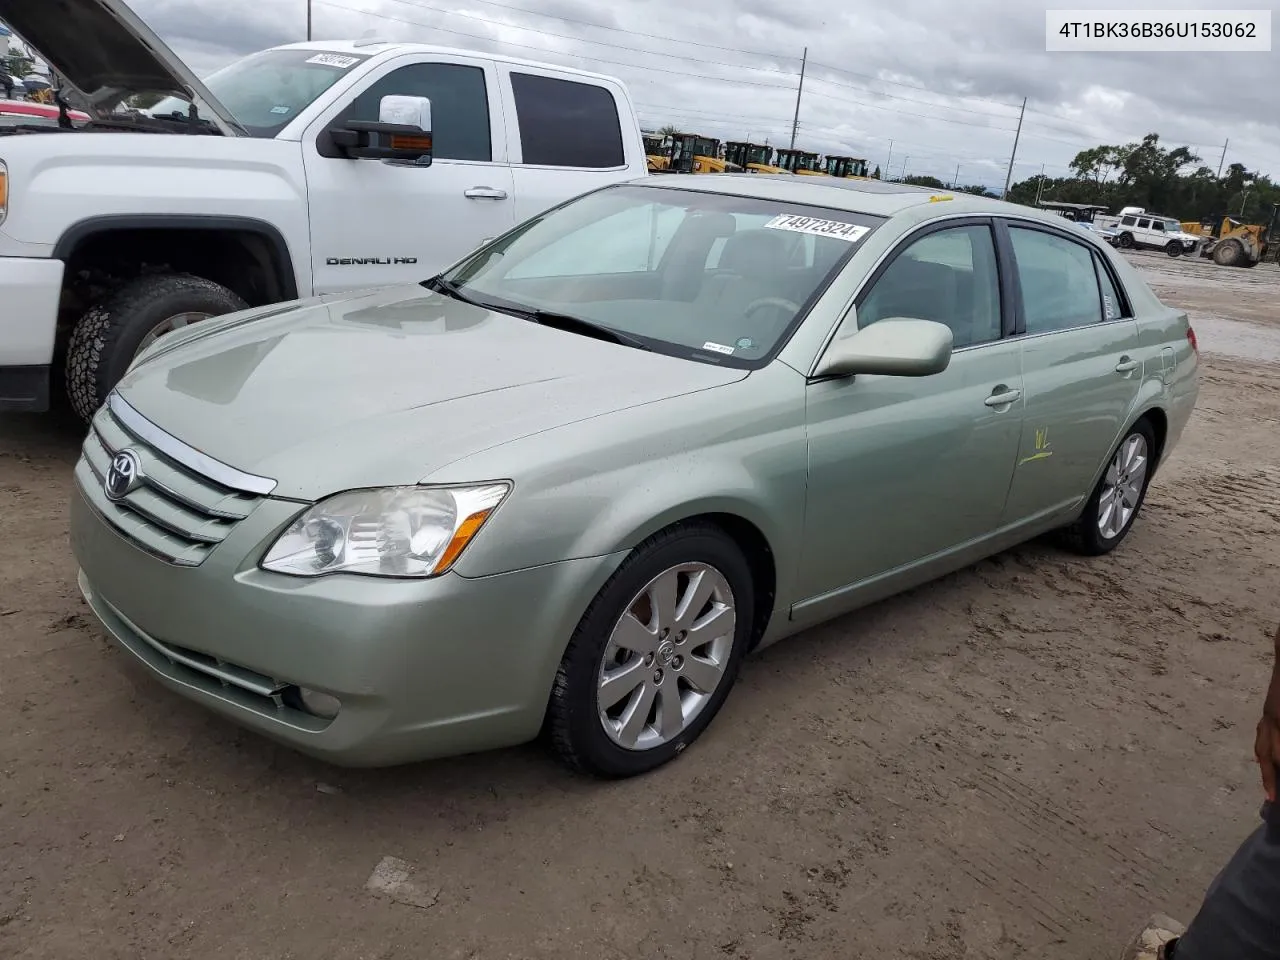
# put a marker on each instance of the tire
(1229, 253)
(576, 724)
(107, 338)
(1125, 241)
(1173, 248)
(1086, 535)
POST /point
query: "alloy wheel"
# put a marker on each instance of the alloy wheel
(1123, 484)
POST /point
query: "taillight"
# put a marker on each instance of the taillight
(1191, 339)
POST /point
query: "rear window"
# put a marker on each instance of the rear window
(564, 123)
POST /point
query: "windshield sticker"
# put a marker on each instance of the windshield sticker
(819, 228)
(280, 108)
(333, 60)
(745, 343)
(717, 347)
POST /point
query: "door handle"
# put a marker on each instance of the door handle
(1126, 365)
(1003, 398)
(485, 193)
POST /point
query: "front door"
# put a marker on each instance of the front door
(1082, 366)
(380, 222)
(904, 469)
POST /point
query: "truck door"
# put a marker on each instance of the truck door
(381, 222)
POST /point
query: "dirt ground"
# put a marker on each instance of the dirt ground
(1025, 759)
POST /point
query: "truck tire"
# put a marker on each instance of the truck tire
(1229, 253)
(107, 338)
(1125, 241)
(1173, 248)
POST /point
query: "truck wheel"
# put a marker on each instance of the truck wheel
(1173, 248)
(1125, 240)
(1229, 253)
(130, 318)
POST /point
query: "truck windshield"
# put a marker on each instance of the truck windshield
(706, 276)
(266, 90)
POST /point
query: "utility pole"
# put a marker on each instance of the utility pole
(1009, 175)
(905, 161)
(308, 19)
(795, 122)
(1223, 158)
(1040, 185)
(956, 178)
(889, 161)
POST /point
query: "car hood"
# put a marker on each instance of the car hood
(387, 388)
(105, 52)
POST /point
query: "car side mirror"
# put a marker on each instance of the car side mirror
(401, 132)
(894, 347)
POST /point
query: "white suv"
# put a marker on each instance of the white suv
(1151, 230)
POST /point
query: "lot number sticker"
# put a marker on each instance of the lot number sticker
(819, 228)
(333, 60)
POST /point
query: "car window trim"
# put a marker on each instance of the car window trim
(887, 258)
(1020, 328)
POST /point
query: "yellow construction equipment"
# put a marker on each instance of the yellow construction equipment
(752, 157)
(655, 151)
(852, 167)
(800, 161)
(1233, 243)
(693, 153)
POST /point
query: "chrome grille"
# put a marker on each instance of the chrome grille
(176, 511)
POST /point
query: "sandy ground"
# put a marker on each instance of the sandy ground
(1022, 760)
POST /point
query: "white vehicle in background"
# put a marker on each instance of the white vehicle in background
(1136, 228)
(306, 169)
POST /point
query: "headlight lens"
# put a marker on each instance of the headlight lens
(387, 532)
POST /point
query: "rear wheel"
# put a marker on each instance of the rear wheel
(654, 656)
(1125, 240)
(127, 321)
(1113, 507)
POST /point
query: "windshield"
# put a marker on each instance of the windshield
(716, 278)
(1173, 225)
(267, 90)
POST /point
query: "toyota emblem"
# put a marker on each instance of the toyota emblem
(124, 474)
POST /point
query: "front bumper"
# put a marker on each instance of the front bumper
(423, 668)
(30, 289)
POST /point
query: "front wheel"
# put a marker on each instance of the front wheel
(1173, 248)
(654, 656)
(127, 321)
(1113, 507)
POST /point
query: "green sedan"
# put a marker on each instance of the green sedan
(567, 485)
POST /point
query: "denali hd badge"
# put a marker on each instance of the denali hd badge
(124, 474)
(377, 261)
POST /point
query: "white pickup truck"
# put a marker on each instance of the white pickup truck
(303, 170)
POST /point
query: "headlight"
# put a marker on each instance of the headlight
(387, 532)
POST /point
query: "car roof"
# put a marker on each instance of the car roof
(379, 48)
(875, 197)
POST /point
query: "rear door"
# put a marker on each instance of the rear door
(567, 137)
(1082, 367)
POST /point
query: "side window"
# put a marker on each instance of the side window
(949, 276)
(1113, 307)
(1059, 285)
(564, 123)
(459, 106)
(1157, 225)
(630, 241)
(1144, 224)
(1128, 221)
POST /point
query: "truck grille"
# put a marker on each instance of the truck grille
(175, 511)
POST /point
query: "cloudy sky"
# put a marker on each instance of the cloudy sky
(925, 84)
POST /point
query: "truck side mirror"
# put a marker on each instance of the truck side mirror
(401, 132)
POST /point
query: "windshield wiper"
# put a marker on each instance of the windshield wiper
(546, 318)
